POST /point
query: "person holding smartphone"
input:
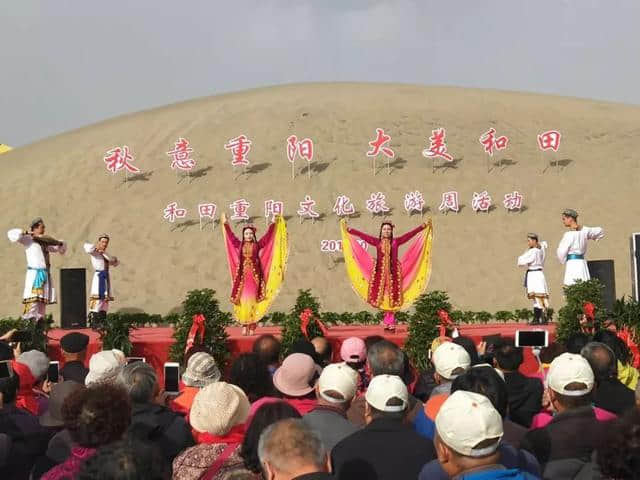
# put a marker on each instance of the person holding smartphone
(38, 285)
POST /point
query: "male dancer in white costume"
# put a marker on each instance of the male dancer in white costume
(38, 285)
(573, 247)
(534, 281)
(101, 293)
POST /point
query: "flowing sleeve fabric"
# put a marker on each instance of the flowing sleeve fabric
(232, 248)
(526, 258)
(16, 235)
(231, 237)
(409, 235)
(61, 249)
(373, 241)
(268, 236)
(358, 262)
(416, 265)
(563, 248)
(594, 233)
(89, 248)
(273, 261)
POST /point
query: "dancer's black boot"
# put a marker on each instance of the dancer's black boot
(537, 316)
(543, 318)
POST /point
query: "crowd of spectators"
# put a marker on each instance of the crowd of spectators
(356, 410)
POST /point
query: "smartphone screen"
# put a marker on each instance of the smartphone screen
(5, 369)
(532, 338)
(53, 372)
(171, 377)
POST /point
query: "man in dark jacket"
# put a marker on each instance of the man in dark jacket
(387, 448)
(152, 422)
(74, 349)
(609, 393)
(525, 394)
(569, 440)
(26, 438)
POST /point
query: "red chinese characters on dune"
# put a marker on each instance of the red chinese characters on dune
(121, 158)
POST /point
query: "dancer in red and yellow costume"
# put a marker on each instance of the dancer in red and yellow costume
(388, 282)
(257, 270)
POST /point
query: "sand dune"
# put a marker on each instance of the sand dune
(64, 180)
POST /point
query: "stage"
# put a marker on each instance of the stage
(153, 343)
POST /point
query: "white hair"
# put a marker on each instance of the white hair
(290, 444)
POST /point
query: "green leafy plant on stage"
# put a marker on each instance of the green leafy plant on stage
(523, 315)
(457, 316)
(626, 313)
(483, 317)
(38, 331)
(423, 326)
(550, 313)
(504, 316)
(576, 296)
(276, 318)
(116, 330)
(469, 316)
(291, 331)
(215, 336)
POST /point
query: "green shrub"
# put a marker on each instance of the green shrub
(423, 326)
(524, 314)
(576, 296)
(504, 316)
(215, 337)
(626, 313)
(38, 331)
(291, 331)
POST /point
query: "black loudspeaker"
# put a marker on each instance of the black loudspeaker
(635, 265)
(604, 271)
(73, 298)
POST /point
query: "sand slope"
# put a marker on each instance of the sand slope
(64, 180)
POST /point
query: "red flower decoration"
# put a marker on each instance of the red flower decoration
(589, 310)
(197, 329)
(444, 317)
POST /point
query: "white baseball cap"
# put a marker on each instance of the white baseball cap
(570, 368)
(449, 357)
(383, 388)
(340, 378)
(467, 419)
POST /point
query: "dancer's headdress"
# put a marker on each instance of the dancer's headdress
(570, 212)
(35, 222)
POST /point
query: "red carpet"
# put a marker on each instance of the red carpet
(153, 342)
